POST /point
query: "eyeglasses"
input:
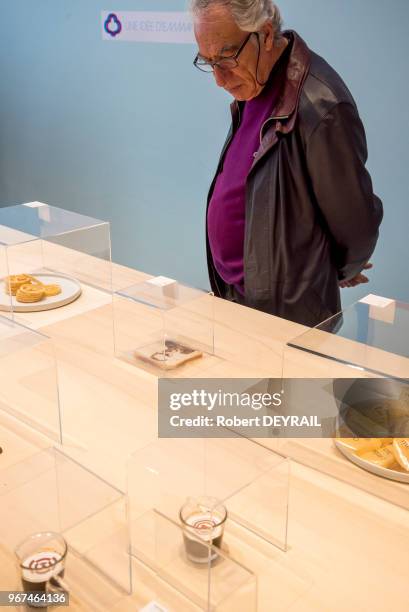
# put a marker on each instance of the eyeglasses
(224, 63)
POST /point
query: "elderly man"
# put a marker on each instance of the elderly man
(291, 213)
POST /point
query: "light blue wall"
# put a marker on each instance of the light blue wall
(130, 132)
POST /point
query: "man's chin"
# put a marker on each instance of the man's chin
(235, 91)
(239, 93)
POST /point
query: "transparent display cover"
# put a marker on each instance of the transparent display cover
(249, 480)
(163, 570)
(372, 334)
(49, 492)
(28, 378)
(163, 326)
(56, 247)
(362, 356)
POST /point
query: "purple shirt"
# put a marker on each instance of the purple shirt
(226, 213)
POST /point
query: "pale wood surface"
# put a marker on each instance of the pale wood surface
(347, 547)
(339, 536)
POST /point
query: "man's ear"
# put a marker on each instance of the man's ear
(267, 36)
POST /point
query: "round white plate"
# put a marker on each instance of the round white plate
(70, 291)
(371, 467)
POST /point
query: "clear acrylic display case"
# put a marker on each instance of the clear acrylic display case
(371, 336)
(251, 481)
(61, 247)
(163, 573)
(163, 326)
(362, 353)
(28, 378)
(48, 491)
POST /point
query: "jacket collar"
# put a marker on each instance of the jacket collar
(285, 109)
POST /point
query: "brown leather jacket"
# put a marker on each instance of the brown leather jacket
(311, 216)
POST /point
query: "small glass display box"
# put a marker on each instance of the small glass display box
(371, 336)
(50, 257)
(246, 486)
(28, 378)
(363, 354)
(65, 528)
(173, 569)
(164, 327)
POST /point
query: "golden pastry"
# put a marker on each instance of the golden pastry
(383, 457)
(400, 449)
(13, 283)
(51, 290)
(361, 445)
(30, 293)
(386, 441)
(34, 280)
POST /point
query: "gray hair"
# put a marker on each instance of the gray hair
(250, 15)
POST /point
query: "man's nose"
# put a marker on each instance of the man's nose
(219, 76)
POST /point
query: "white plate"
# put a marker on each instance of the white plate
(70, 291)
(371, 467)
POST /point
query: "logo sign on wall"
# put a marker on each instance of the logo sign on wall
(147, 26)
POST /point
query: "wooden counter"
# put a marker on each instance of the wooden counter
(348, 548)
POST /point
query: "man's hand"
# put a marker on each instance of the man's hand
(358, 279)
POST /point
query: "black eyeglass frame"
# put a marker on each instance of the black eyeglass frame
(232, 58)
